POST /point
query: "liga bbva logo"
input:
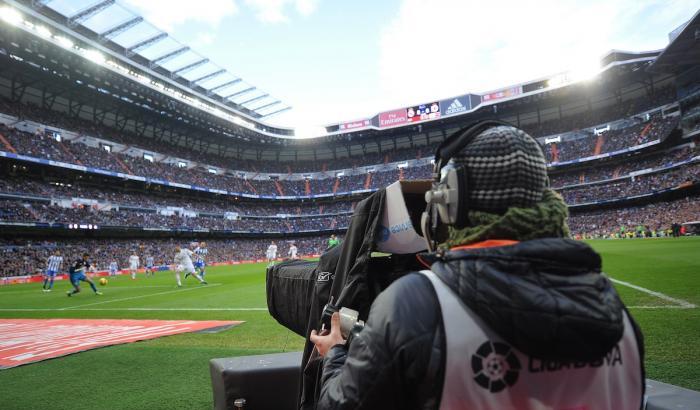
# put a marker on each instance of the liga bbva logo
(455, 107)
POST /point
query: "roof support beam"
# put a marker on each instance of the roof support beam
(189, 67)
(38, 4)
(276, 112)
(88, 12)
(145, 43)
(267, 105)
(224, 85)
(208, 76)
(247, 90)
(169, 56)
(260, 97)
(119, 28)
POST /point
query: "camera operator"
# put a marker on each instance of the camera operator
(512, 313)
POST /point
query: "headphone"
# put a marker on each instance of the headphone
(446, 200)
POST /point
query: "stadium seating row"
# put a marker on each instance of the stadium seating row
(21, 256)
(579, 148)
(43, 146)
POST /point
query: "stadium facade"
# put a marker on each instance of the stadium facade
(98, 140)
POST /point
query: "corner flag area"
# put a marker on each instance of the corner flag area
(25, 341)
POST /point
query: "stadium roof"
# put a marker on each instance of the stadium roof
(684, 49)
(112, 22)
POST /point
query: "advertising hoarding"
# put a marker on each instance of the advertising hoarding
(500, 94)
(353, 125)
(392, 118)
(423, 112)
(454, 106)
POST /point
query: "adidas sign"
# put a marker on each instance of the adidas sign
(455, 107)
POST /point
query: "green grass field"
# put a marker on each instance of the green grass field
(172, 372)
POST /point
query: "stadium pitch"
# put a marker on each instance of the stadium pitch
(659, 279)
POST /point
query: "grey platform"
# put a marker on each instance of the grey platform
(271, 382)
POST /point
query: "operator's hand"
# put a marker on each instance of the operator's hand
(326, 341)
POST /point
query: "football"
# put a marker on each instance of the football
(103, 281)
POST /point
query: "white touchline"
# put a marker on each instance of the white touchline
(658, 307)
(140, 297)
(680, 302)
(111, 288)
(243, 309)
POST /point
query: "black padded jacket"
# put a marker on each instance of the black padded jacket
(546, 297)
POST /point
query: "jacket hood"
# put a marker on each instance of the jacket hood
(546, 297)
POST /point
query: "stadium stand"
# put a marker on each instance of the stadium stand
(614, 150)
(121, 155)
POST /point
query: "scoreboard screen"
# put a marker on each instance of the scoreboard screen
(423, 112)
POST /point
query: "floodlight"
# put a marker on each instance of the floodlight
(309, 132)
(10, 15)
(43, 31)
(65, 42)
(584, 71)
(95, 56)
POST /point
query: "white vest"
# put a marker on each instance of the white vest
(483, 372)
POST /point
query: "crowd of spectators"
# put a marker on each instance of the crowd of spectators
(618, 169)
(656, 218)
(567, 150)
(46, 147)
(631, 186)
(70, 203)
(20, 256)
(153, 200)
(614, 112)
(43, 212)
(265, 217)
(610, 141)
(23, 256)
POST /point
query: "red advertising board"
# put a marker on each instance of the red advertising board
(500, 94)
(392, 118)
(32, 340)
(353, 125)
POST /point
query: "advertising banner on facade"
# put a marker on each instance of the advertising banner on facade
(501, 94)
(353, 125)
(454, 106)
(393, 118)
(423, 112)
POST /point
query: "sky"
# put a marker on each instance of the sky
(343, 60)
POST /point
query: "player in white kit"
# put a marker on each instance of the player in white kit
(271, 253)
(183, 263)
(292, 253)
(133, 264)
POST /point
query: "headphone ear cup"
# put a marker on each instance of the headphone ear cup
(462, 205)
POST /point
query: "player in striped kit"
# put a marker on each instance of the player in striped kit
(150, 266)
(201, 253)
(53, 266)
(113, 268)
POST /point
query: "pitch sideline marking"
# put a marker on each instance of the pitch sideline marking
(118, 287)
(682, 304)
(140, 296)
(252, 309)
